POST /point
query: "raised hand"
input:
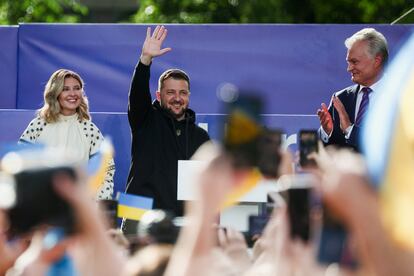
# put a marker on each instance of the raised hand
(153, 43)
(9, 252)
(325, 118)
(343, 116)
(234, 246)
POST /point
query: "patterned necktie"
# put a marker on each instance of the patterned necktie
(363, 106)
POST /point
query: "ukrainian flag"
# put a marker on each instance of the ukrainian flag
(240, 139)
(133, 206)
(97, 165)
(388, 145)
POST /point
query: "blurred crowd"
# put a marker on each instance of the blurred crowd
(200, 246)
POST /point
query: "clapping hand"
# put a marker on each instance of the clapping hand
(343, 116)
(325, 119)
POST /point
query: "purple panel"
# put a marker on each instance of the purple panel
(104, 55)
(294, 67)
(12, 124)
(8, 66)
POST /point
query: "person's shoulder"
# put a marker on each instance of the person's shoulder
(33, 130)
(192, 117)
(91, 127)
(92, 133)
(37, 122)
(347, 90)
(89, 123)
(202, 132)
(37, 118)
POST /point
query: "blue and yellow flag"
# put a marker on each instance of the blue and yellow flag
(133, 206)
(388, 145)
(248, 183)
(98, 164)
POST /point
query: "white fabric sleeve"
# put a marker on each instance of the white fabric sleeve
(107, 188)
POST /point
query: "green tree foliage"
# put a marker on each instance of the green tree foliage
(18, 11)
(272, 11)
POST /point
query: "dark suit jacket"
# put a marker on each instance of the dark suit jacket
(348, 98)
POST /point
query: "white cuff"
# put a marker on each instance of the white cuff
(324, 136)
(348, 131)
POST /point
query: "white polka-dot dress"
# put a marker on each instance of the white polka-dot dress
(80, 137)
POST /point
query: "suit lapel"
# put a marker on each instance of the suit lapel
(351, 102)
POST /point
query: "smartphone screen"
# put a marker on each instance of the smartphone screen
(308, 143)
(299, 212)
(257, 224)
(269, 153)
(243, 129)
(110, 208)
(38, 203)
(334, 246)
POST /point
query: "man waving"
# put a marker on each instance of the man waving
(163, 131)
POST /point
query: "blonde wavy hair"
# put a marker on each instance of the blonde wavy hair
(51, 107)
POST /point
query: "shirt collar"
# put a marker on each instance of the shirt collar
(373, 87)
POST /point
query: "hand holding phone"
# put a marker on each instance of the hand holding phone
(38, 203)
(299, 213)
(299, 194)
(269, 153)
(308, 143)
(334, 245)
(257, 224)
(110, 209)
(247, 142)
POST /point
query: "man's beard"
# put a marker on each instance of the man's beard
(172, 113)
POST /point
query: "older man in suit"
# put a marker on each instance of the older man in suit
(366, 57)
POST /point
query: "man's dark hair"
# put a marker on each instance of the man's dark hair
(176, 74)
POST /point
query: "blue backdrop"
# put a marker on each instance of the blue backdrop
(8, 66)
(293, 67)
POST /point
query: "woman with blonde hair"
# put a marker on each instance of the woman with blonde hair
(64, 121)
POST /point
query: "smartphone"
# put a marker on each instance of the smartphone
(243, 130)
(271, 203)
(37, 202)
(308, 143)
(274, 200)
(110, 209)
(297, 191)
(334, 245)
(269, 153)
(246, 140)
(299, 205)
(257, 224)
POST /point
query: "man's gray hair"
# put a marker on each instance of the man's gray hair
(377, 43)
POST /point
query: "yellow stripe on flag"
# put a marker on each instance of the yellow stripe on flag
(397, 194)
(246, 186)
(95, 181)
(130, 212)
